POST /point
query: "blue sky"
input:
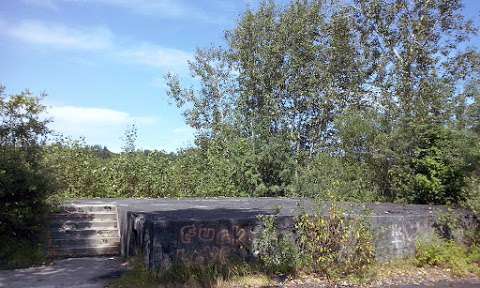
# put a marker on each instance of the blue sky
(102, 62)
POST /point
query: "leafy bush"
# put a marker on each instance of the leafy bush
(334, 244)
(275, 248)
(472, 192)
(24, 182)
(448, 225)
(19, 253)
(326, 177)
(448, 254)
(331, 245)
(433, 166)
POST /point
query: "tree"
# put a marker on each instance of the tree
(351, 80)
(24, 182)
(129, 139)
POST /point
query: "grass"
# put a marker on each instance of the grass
(459, 259)
(253, 280)
(403, 271)
(219, 275)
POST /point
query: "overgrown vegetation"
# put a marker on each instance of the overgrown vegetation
(335, 244)
(371, 101)
(187, 275)
(275, 248)
(328, 244)
(368, 100)
(24, 182)
(458, 258)
(383, 92)
(452, 246)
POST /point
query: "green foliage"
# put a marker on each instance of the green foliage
(24, 182)
(203, 275)
(448, 226)
(472, 192)
(448, 254)
(276, 250)
(225, 167)
(331, 245)
(182, 274)
(129, 138)
(81, 173)
(313, 99)
(334, 244)
(435, 165)
(21, 253)
(326, 177)
(347, 81)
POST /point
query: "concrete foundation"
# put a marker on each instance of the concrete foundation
(214, 229)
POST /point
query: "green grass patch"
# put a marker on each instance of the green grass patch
(194, 275)
(459, 259)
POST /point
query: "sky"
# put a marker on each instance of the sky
(102, 62)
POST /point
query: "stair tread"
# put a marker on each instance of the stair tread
(85, 220)
(86, 247)
(89, 205)
(81, 221)
(83, 212)
(84, 230)
(89, 229)
(82, 239)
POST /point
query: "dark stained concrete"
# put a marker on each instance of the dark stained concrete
(385, 212)
(155, 227)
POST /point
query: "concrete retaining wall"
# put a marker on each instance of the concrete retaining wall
(202, 230)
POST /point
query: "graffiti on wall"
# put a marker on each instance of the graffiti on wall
(201, 243)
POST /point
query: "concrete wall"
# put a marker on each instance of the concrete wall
(202, 230)
(224, 229)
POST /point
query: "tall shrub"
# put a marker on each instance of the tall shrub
(24, 182)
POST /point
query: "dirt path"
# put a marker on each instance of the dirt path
(93, 272)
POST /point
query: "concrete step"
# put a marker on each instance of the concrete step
(88, 208)
(85, 251)
(84, 230)
(56, 217)
(84, 242)
(76, 225)
(84, 233)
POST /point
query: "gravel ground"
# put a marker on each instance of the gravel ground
(460, 283)
(97, 272)
(92, 272)
(412, 277)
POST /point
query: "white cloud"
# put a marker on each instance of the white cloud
(98, 125)
(165, 8)
(157, 56)
(48, 4)
(58, 35)
(175, 9)
(75, 115)
(95, 39)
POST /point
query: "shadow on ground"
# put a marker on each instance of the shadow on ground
(89, 272)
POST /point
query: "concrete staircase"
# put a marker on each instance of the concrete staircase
(84, 230)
